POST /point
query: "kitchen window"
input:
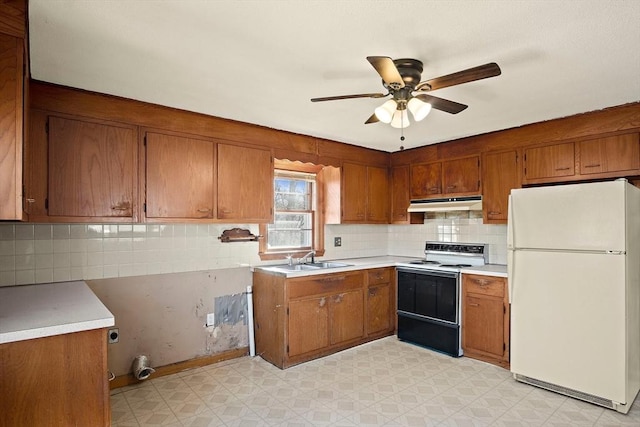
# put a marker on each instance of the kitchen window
(295, 211)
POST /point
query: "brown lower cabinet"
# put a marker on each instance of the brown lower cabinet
(303, 318)
(59, 380)
(485, 318)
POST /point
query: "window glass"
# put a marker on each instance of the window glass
(293, 212)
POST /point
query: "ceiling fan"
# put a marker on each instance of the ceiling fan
(401, 78)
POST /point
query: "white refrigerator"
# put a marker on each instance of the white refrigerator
(574, 287)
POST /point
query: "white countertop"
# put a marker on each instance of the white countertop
(498, 270)
(36, 311)
(355, 264)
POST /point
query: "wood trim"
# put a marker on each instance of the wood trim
(129, 379)
(619, 119)
(287, 145)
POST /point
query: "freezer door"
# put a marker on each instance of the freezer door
(588, 217)
(568, 320)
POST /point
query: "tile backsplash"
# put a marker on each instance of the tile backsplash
(42, 253)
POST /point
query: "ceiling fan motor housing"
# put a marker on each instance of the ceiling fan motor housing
(410, 70)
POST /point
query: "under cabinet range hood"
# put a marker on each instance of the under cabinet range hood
(471, 203)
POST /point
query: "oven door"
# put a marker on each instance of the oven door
(430, 294)
(428, 312)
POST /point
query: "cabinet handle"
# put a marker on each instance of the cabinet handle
(473, 304)
(434, 190)
(124, 206)
(31, 200)
(451, 187)
(322, 302)
(482, 282)
(333, 279)
(492, 213)
(592, 166)
(373, 292)
(563, 169)
(338, 298)
(204, 210)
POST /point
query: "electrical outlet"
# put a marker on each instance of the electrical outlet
(113, 336)
(211, 319)
(337, 241)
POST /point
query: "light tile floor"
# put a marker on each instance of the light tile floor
(382, 383)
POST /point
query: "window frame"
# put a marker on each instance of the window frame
(318, 214)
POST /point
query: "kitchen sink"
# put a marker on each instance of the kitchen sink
(328, 264)
(306, 267)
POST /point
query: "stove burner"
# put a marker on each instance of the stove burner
(455, 265)
(424, 261)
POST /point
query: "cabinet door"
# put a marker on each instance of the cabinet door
(612, 154)
(551, 161)
(377, 195)
(245, 184)
(426, 180)
(400, 197)
(499, 176)
(11, 113)
(378, 308)
(484, 324)
(347, 316)
(461, 176)
(91, 169)
(179, 177)
(308, 325)
(354, 192)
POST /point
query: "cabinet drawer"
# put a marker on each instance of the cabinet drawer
(485, 285)
(381, 275)
(324, 284)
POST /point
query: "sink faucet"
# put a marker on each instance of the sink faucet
(289, 258)
(303, 260)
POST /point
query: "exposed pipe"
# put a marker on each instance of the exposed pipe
(252, 342)
(141, 368)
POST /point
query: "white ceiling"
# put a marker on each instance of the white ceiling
(260, 61)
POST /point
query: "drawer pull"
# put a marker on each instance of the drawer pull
(592, 166)
(482, 282)
(204, 210)
(333, 279)
(562, 169)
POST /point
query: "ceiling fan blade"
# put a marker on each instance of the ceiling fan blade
(472, 74)
(442, 104)
(361, 95)
(387, 70)
(372, 119)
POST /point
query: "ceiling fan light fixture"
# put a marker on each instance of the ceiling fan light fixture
(386, 111)
(400, 119)
(418, 108)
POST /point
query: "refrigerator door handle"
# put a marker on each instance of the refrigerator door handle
(510, 227)
(510, 269)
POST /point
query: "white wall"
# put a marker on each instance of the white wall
(43, 253)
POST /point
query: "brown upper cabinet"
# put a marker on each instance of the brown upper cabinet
(499, 176)
(549, 163)
(11, 126)
(91, 170)
(245, 184)
(400, 196)
(598, 158)
(179, 177)
(620, 153)
(365, 194)
(458, 177)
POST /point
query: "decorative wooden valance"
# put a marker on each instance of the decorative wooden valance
(238, 235)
